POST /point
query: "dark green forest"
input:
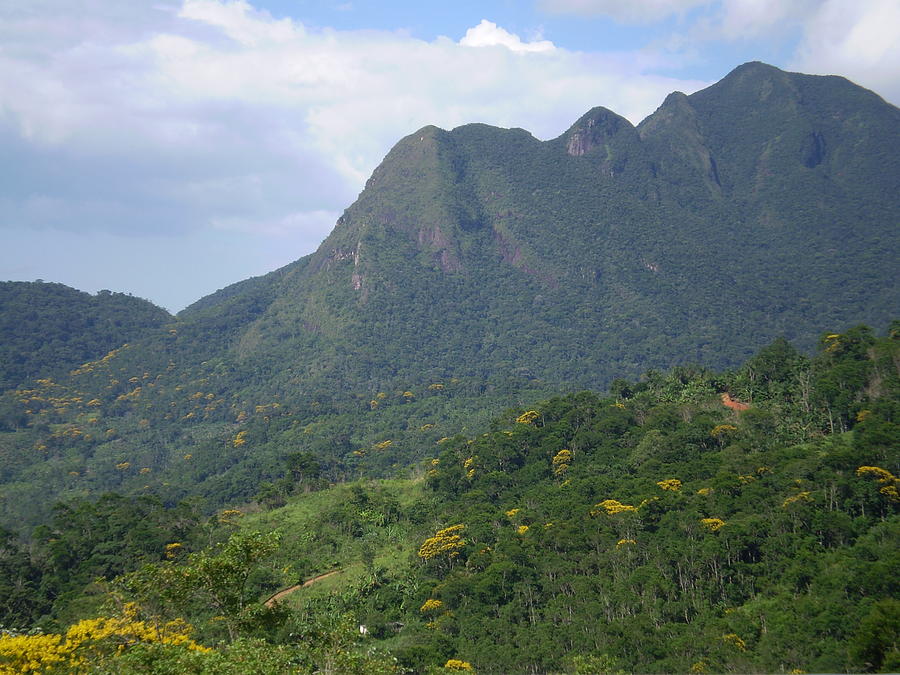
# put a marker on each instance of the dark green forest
(48, 329)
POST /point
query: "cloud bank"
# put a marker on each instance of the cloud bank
(853, 38)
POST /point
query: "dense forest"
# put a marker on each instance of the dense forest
(49, 329)
(479, 269)
(690, 521)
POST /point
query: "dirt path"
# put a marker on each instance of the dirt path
(287, 591)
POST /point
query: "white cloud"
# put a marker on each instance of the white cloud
(217, 99)
(210, 117)
(628, 11)
(854, 39)
(489, 34)
(241, 22)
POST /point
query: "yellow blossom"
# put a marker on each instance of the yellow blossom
(890, 491)
(735, 641)
(521, 529)
(670, 484)
(512, 513)
(444, 542)
(799, 497)
(624, 542)
(561, 461)
(456, 664)
(722, 430)
(881, 475)
(705, 492)
(528, 417)
(612, 507)
(889, 483)
(430, 605)
(84, 640)
(712, 524)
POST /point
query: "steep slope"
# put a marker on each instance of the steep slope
(767, 200)
(481, 267)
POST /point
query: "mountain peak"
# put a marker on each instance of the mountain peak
(593, 129)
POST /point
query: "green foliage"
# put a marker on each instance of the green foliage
(48, 329)
(684, 535)
(692, 520)
(509, 270)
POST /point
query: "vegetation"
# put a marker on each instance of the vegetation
(48, 329)
(341, 466)
(654, 529)
(508, 271)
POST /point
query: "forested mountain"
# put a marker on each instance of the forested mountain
(48, 329)
(479, 268)
(762, 206)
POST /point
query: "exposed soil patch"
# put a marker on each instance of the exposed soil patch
(729, 402)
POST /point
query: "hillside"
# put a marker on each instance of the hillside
(49, 329)
(482, 268)
(652, 530)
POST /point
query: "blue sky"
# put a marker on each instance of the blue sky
(168, 148)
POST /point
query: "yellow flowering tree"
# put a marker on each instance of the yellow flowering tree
(88, 642)
(670, 485)
(712, 524)
(889, 482)
(446, 544)
(561, 462)
(612, 507)
(528, 417)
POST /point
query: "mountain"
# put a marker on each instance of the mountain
(762, 206)
(482, 267)
(49, 329)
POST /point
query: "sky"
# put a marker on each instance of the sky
(169, 148)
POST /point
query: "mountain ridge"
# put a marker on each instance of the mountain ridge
(481, 267)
